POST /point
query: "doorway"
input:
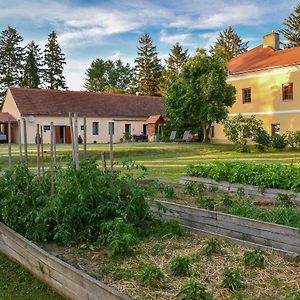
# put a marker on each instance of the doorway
(63, 134)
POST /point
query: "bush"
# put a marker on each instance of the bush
(232, 279)
(278, 141)
(194, 290)
(153, 276)
(262, 139)
(181, 266)
(255, 259)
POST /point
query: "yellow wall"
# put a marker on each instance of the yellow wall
(266, 99)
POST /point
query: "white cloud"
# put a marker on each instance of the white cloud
(174, 38)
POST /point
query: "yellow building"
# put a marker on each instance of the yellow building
(267, 82)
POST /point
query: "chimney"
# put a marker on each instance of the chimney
(272, 40)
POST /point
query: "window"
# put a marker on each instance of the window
(212, 131)
(275, 129)
(128, 128)
(46, 128)
(145, 129)
(287, 91)
(95, 128)
(246, 95)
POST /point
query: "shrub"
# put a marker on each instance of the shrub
(255, 259)
(278, 141)
(181, 266)
(153, 276)
(194, 290)
(212, 246)
(232, 279)
(262, 139)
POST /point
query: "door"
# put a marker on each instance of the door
(67, 134)
(57, 134)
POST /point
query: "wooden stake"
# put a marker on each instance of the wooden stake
(20, 138)
(111, 153)
(38, 149)
(72, 136)
(25, 141)
(54, 145)
(42, 150)
(103, 158)
(76, 141)
(9, 144)
(52, 158)
(84, 137)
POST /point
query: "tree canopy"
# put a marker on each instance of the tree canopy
(11, 59)
(148, 69)
(54, 64)
(108, 76)
(292, 30)
(228, 45)
(32, 69)
(200, 94)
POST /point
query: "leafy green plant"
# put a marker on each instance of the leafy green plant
(262, 139)
(232, 279)
(193, 188)
(212, 246)
(153, 276)
(169, 228)
(255, 259)
(207, 202)
(278, 142)
(240, 192)
(285, 200)
(194, 290)
(181, 266)
(227, 200)
(168, 191)
(213, 189)
(292, 295)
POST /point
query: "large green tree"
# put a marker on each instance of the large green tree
(228, 45)
(292, 30)
(54, 64)
(32, 69)
(11, 59)
(147, 67)
(108, 76)
(200, 95)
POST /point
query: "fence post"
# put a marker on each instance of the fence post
(52, 158)
(42, 150)
(38, 149)
(20, 138)
(84, 137)
(76, 141)
(9, 144)
(111, 153)
(25, 142)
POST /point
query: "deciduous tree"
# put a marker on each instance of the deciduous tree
(200, 95)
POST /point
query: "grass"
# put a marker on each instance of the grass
(165, 161)
(18, 284)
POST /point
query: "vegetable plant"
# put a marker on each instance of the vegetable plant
(153, 276)
(232, 279)
(212, 246)
(181, 266)
(255, 259)
(194, 290)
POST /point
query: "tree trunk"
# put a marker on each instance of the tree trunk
(206, 133)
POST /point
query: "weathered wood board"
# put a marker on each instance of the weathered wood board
(283, 239)
(63, 278)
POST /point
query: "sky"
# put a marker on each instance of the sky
(90, 29)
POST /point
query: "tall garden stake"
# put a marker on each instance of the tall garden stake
(42, 150)
(72, 136)
(52, 158)
(25, 141)
(20, 138)
(103, 158)
(84, 137)
(9, 143)
(111, 153)
(38, 149)
(76, 141)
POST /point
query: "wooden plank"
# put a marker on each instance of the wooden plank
(67, 280)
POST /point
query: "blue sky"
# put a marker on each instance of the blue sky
(110, 29)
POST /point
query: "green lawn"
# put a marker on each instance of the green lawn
(18, 284)
(165, 161)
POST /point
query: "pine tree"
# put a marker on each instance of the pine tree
(292, 30)
(54, 64)
(228, 45)
(176, 60)
(11, 59)
(32, 68)
(147, 67)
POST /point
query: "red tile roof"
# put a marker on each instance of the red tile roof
(263, 58)
(60, 103)
(5, 117)
(153, 119)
